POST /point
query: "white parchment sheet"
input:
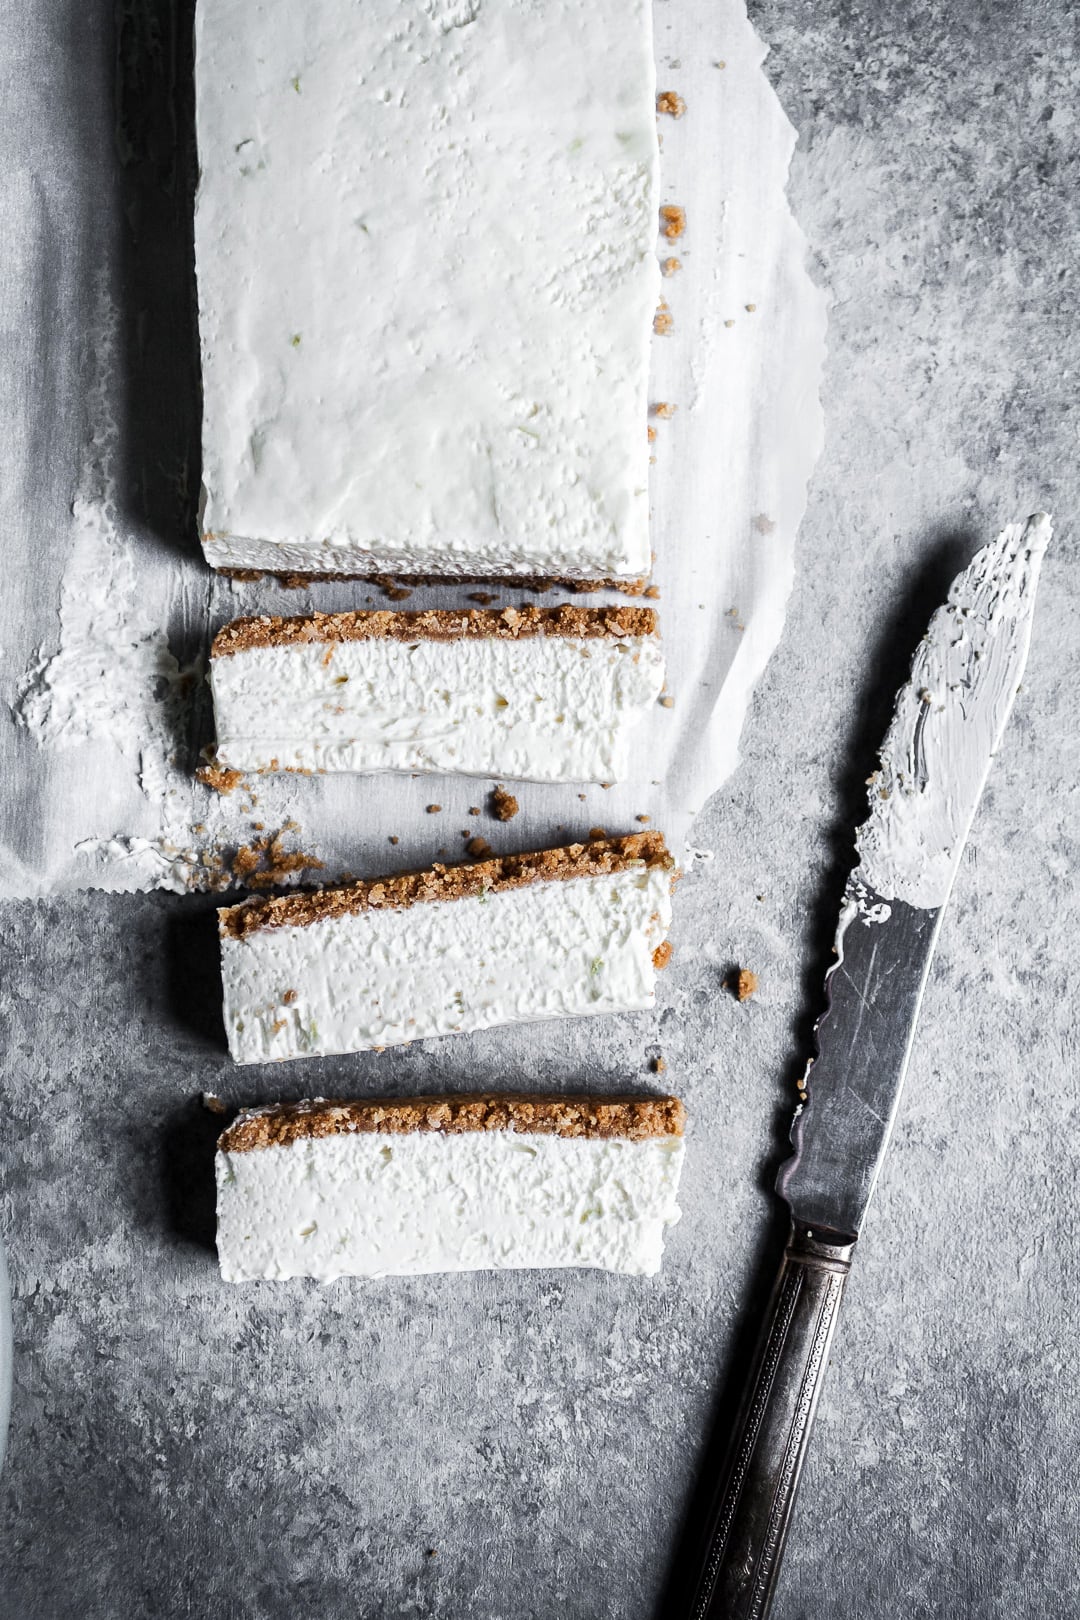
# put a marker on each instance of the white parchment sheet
(107, 609)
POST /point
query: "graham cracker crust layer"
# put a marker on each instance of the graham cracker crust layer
(439, 882)
(434, 624)
(296, 580)
(635, 1118)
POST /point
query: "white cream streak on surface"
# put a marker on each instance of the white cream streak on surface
(949, 721)
(373, 1205)
(376, 978)
(540, 708)
(425, 246)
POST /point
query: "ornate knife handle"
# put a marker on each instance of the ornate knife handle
(747, 1527)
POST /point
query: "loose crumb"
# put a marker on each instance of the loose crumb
(478, 846)
(670, 266)
(658, 1065)
(663, 321)
(652, 592)
(652, 435)
(662, 956)
(474, 809)
(670, 102)
(667, 702)
(433, 809)
(219, 778)
(643, 819)
(394, 839)
(597, 832)
(729, 323)
(664, 410)
(289, 997)
(213, 1103)
(265, 861)
(483, 597)
(674, 219)
(744, 984)
(750, 308)
(504, 806)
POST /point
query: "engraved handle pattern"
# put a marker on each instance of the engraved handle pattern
(748, 1525)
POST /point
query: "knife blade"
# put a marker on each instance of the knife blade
(948, 723)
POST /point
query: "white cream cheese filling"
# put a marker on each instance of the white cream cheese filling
(425, 246)
(372, 1205)
(382, 977)
(539, 708)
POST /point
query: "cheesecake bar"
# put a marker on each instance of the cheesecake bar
(425, 250)
(556, 933)
(544, 694)
(376, 1189)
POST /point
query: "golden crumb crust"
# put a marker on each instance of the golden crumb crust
(434, 624)
(634, 1118)
(439, 882)
(392, 583)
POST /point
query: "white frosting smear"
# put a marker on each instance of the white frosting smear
(425, 243)
(949, 721)
(377, 1205)
(540, 708)
(558, 949)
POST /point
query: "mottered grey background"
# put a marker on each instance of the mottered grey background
(532, 1445)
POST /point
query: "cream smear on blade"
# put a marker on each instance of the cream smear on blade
(949, 721)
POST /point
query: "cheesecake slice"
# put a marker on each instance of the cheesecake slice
(392, 1188)
(544, 694)
(425, 243)
(557, 933)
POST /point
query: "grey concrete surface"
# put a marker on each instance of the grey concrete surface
(509, 1447)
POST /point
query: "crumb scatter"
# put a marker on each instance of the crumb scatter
(504, 806)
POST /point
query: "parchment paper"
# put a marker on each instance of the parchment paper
(107, 607)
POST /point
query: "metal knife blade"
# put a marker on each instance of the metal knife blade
(935, 759)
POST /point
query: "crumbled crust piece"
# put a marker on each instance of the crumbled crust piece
(478, 846)
(278, 1125)
(674, 219)
(265, 861)
(664, 410)
(670, 266)
(670, 102)
(745, 984)
(516, 582)
(219, 778)
(504, 806)
(663, 320)
(662, 956)
(441, 882)
(435, 624)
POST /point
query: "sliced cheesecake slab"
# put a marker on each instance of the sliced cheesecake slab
(545, 694)
(553, 934)
(425, 242)
(375, 1189)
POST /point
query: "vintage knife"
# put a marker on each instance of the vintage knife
(948, 723)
